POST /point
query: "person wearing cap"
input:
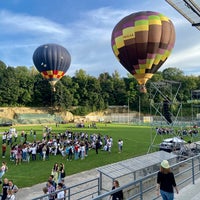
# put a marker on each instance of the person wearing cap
(166, 182)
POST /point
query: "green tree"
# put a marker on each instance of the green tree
(172, 74)
(42, 92)
(119, 90)
(26, 83)
(9, 87)
(106, 84)
(80, 79)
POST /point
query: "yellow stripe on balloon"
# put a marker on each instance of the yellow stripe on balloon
(116, 51)
(142, 66)
(143, 78)
(141, 28)
(155, 22)
(128, 33)
(137, 71)
(60, 73)
(119, 42)
(165, 55)
(163, 18)
(142, 71)
(149, 63)
(50, 72)
(157, 59)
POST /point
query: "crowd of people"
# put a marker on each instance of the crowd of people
(188, 131)
(70, 145)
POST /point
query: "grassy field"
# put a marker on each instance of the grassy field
(137, 140)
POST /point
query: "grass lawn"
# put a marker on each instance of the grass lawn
(137, 140)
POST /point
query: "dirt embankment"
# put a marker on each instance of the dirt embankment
(9, 113)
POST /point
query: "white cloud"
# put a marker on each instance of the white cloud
(13, 23)
(87, 39)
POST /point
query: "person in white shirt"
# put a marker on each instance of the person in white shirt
(10, 195)
(3, 169)
(61, 194)
(109, 145)
(120, 145)
(33, 151)
(4, 136)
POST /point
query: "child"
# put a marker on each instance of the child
(45, 190)
(10, 195)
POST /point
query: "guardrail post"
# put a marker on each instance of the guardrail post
(99, 187)
(141, 191)
(69, 194)
(199, 162)
(100, 182)
(193, 178)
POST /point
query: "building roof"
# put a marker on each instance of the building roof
(126, 167)
(190, 9)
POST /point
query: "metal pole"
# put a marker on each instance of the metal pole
(128, 112)
(193, 174)
(139, 109)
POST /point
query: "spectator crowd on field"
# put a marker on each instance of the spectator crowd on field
(70, 145)
(188, 131)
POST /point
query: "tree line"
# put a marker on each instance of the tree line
(83, 93)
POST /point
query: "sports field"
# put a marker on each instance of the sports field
(136, 139)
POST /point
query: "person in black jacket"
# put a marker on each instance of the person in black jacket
(117, 195)
(166, 182)
(5, 187)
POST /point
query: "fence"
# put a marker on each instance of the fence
(34, 118)
(186, 172)
(84, 190)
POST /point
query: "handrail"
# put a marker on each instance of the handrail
(191, 171)
(70, 194)
(189, 174)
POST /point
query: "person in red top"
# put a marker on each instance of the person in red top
(166, 182)
(3, 150)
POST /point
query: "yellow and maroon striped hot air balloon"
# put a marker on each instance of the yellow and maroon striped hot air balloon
(52, 61)
(142, 42)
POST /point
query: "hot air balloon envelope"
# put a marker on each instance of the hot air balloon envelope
(142, 42)
(52, 61)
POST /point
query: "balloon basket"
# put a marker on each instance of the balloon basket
(143, 89)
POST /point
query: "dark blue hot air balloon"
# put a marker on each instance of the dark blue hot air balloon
(52, 61)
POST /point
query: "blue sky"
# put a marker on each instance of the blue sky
(84, 27)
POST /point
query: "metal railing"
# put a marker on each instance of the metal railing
(84, 190)
(185, 172)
